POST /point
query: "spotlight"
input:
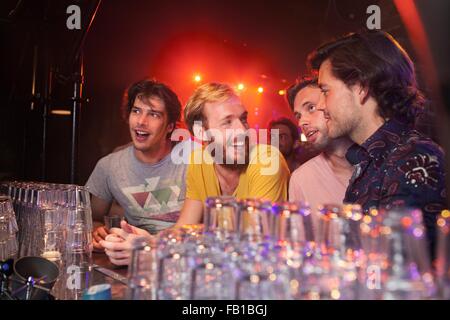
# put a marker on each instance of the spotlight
(281, 92)
(197, 78)
(260, 89)
(240, 86)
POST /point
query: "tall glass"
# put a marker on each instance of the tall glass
(398, 258)
(175, 264)
(8, 229)
(142, 272)
(221, 216)
(253, 221)
(292, 222)
(77, 266)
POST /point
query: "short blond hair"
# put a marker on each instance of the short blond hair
(206, 93)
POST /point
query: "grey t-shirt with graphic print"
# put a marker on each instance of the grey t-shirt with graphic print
(151, 194)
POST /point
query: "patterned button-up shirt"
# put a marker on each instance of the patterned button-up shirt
(398, 166)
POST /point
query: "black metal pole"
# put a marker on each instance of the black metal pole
(78, 97)
(76, 112)
(46, 104)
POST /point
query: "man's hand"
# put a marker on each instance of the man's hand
(100, 233)
(119, 243)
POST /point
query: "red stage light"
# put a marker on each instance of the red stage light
(240, 86)
(197, 78)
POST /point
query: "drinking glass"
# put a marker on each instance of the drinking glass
(112, 221)
(253, 221)
(339, 229)
(291, 222)
(175, 264)
(8, 229)
(221, 215)
(398, 260)
(78, 262)
(265, 281)
(142, 273)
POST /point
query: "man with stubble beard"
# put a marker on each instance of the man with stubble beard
(324, 178)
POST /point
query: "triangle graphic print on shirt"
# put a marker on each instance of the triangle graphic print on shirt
(150, 199)
(140, 197)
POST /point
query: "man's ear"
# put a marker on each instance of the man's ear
(170, 127)
(362, 92)
(199, 131)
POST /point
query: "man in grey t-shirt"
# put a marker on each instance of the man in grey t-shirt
(142, 178)
(151, 194)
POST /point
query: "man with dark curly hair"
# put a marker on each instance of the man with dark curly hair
(289, 140)
(141, 176)
(369, 93)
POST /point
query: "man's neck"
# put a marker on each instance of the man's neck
(291, 161)
(336, 151)
(290, 156)
(368, 125)
(228, 177)
(155, 154)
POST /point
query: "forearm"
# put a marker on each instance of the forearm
(100, 208)
(191, 213)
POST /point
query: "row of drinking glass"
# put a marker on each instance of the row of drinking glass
(55, 222)
(8, 229)
(259, 250)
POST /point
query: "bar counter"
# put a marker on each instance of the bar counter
(116, 275)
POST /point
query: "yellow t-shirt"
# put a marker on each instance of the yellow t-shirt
(266, 176)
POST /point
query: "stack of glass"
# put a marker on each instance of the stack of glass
(252, 249)
(8, 229)
(397, 261)
(55, 222)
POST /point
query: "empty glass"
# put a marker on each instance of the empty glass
(292, 222)
(339, 230)
(175, 266)
(221, 216)
(213, 279)
(112, 221)
(253, 220)
(77, 267)
(8, 229)
(263, 280)
(398, 262)
(54, 235)
(79, 207)
(142, 272)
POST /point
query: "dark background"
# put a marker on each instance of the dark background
(255, 42)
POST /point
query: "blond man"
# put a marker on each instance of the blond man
(232, 162)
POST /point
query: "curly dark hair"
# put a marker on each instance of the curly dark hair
(147, 88)
(295, 88)
(375, 60)
(288, 123)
